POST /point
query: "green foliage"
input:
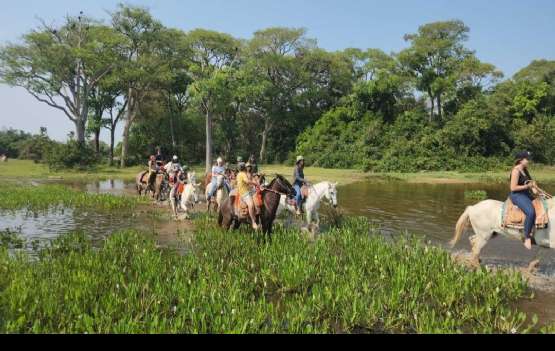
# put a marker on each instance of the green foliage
(475, 195)
(53, 197)
(11, 140)
(71, 155)
(348, 281)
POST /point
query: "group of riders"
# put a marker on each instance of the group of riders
(245, 179)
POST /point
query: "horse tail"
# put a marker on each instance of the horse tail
(462, 223)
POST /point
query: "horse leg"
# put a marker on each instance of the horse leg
(308, 217)
(478, 242)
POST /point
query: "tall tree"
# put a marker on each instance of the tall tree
(142, 69)
(276, 71)
(213, 58)
(61, 66)
(438, 60)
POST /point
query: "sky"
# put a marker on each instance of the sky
(507, 33)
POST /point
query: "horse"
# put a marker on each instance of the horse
(485, 220)
(227, 218)
(311, 205)
(219, 196)
(188, 197)
(140, 184)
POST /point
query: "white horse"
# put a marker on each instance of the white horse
(311, 205)
(189, 197)
(485, 219)
(219, 196)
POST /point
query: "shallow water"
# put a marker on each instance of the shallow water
(431, 211)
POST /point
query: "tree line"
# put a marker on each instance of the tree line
(202, 93)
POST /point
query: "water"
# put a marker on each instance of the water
(431, 211)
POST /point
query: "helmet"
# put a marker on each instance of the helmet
(219, 160)
(175, 158)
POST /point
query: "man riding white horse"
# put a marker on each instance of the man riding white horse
(218, 170)
(298, 183)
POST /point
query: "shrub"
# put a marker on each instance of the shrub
(71, 155)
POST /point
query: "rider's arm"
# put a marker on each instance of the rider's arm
(514, 182)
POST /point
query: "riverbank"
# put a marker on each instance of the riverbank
(22, 169)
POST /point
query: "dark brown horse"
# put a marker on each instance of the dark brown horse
(229, 218)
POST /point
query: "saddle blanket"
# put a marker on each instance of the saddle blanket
(513, 217)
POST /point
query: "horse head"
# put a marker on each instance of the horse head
(331, 194)
(282, 185)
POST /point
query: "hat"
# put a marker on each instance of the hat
(219, 160)
(523, 155)
(248, 164)
(300, 158)
(239, 159)
(175, 158)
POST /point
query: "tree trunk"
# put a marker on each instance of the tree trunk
(112, 137)
(172, 132)
(265, 132)
(80, 130)
(97, 141)
(432, 107)
(208, 141)
(439, 108)
(131, 110)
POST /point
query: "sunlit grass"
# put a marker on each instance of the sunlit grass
(44, 197)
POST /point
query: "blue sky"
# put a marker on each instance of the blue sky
(508, 33)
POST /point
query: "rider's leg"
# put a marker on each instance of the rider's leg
(525, 204)
(250, 204)
(298, 197)
(212, 190)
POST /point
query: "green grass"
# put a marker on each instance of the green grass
(347, 281)
(44, 197)
(18, 169)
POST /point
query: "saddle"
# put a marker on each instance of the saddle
(241, 208)
(304, 191)
(513, 217)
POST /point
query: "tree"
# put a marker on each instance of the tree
(275, 68)
(142, 69)
(214, 55)
(61, 66)
(438, 61)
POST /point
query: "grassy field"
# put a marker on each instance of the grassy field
(345, 282)
(18, 169)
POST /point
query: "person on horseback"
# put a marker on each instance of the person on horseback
(244, 190)
(299, 181)
(159, 157)
(173, 167)
(252, 162)
(217, 170)
(521, 194)
(152, 171)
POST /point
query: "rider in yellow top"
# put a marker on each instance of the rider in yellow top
(244, 190)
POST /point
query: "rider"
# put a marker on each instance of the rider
(252, 162)
(298, 183)
(152, 170)
(244, 189)
(159, 157)
(521, 195)
(173, 167)
(217, 170)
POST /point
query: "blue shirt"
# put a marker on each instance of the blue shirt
(218, 170)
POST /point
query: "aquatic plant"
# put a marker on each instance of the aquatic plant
(347, 281)
(44, 197)
(475, 195)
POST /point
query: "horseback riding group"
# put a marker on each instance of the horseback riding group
(238, 194)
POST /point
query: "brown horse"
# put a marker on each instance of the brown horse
(228, 218)
(141, 183)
